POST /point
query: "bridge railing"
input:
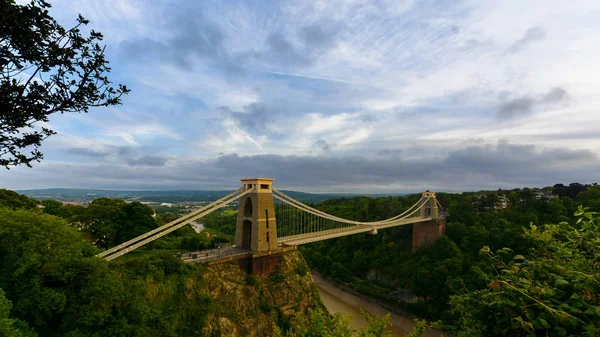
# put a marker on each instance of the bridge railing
(211, 254)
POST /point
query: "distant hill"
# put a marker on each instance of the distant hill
(69, 194)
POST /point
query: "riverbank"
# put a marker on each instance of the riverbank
(338, 300)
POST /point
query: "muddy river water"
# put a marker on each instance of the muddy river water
(337, 300)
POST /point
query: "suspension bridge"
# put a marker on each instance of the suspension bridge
(269, 221)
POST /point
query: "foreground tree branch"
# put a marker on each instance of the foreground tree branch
(45, 69)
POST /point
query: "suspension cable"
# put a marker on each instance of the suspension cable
(163, 227)
(308, 209)
(282, 197)
(207, 210)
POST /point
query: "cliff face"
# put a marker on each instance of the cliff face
(250, 306)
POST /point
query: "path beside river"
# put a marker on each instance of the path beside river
(337, 300)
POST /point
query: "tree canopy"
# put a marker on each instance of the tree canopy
(45, 69)
(14, 200)
(528, 280)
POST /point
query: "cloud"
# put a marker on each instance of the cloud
(555, 95)
(190, 38)
(118, 154)
(390, 152)
(102, 151)
(531, 36)
(255, 118)
(148, 161)
(323, 145)
(470, 168)
(526, 105)
(281, 51)
(318, 35)
(516, 107)
(398, 84)
(85, 152)
(520, 163)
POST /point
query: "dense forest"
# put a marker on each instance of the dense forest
(524, 262)
(503, 268)
(51, 284)
(500, 271)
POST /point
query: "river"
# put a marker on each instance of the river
(198, 227)
(337, 300)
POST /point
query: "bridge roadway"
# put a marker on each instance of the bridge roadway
(299, 239)
(213, 254)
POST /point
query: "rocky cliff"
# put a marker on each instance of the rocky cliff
(250, 306)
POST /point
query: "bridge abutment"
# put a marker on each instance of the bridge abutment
(428, 232)
(425, 233)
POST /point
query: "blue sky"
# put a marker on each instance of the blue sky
(335, 96)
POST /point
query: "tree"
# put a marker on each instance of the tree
(40, 256)
(553, 291)
(14, 200)
(59, 288)
(113, 221)
(591, 198)
(101, 220)
(320, 324)
(10, 327)
(55, 207)
(45, 69)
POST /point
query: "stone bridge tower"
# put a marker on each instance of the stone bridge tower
(256, 227)
(428, 232)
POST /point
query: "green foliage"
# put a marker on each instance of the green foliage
(552, 290)
(223, 221)
(41, 256)
(113, 221)
(71, 213)
(163, 219)
(45, 69)
(301, 268)
(277, 276)
(378, 326)
(590, 198)
(453, 264)
(421, 326)
(10, 327)
(14, 200)
(59, 288)
(318, 323)
(107, 222)
(251, 280)
(546, 283)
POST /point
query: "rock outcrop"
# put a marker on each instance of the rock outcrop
(250, 306)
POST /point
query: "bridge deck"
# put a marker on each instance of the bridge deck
(294, 240)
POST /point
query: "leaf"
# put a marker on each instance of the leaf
(591, 330)
(544, 323)
(560, 283)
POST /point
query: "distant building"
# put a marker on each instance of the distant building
(78, 203)
(544, 195)
(502, 202)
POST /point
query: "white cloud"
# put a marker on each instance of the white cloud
(410, 76)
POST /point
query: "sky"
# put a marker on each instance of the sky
(349, 96)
